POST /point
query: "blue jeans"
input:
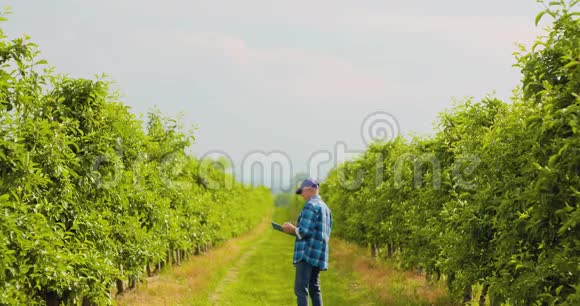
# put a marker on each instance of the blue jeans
(307, 282)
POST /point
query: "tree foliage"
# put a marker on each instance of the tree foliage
(90, 197)
(491, 199)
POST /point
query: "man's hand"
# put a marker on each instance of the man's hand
(289, 228)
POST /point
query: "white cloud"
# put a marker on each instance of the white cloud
(486, 30)
(287, 72)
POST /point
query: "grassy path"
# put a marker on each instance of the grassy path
(231, 277)
(256, 269)
(267, 278)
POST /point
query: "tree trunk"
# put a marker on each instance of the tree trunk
(120, 287)
(450, 279)
(467, 294)
(483, 294)
(52, 299)
(87, 302)
(390, 250)
(132, 282)
(148, 269)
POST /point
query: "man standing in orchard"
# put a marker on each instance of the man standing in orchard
(311, 245)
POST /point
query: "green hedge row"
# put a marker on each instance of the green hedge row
(91, 198)
(490, 201)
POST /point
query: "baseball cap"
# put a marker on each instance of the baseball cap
(307, 183)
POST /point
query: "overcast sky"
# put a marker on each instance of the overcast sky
(295, 77)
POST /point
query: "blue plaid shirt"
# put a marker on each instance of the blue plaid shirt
(312, 233)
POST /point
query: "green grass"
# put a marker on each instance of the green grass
(256, 269)
(267, 278)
